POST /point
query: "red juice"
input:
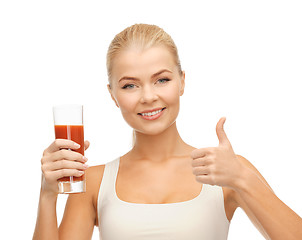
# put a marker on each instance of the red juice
(76, 134)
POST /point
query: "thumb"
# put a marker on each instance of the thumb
(86, 144)
(222, 137)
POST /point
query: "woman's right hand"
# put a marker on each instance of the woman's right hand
(58, 162)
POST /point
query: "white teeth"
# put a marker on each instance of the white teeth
(151, 113)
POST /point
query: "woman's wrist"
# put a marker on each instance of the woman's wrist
(49, 195)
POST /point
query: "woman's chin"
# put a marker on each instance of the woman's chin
(153, 130)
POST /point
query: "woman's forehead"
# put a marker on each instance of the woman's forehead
(136, 59)
(135, 62)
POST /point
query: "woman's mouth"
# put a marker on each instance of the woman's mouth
(152, 115)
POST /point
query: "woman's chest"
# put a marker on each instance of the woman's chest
(157, 187)
(161, 187)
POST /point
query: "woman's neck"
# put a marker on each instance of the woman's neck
(161, 147)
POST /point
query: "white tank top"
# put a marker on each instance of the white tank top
(201, 218)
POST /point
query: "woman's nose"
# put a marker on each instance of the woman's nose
(148, 95)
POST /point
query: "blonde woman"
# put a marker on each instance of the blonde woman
(162, 188)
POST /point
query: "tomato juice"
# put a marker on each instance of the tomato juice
(76, 134)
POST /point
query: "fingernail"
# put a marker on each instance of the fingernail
(85, 158)
(85, 166)
(77, 145)
(81, 172)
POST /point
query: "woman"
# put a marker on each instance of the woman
(162, 188)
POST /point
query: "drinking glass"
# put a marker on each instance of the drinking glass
(68, 123)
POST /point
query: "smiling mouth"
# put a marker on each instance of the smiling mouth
(151, 113)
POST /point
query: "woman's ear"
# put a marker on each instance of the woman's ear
(110, 91)
(182, 83)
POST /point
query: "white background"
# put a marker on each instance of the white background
(242, 60)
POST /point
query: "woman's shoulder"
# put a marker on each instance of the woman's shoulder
(95, 171)
(94, 175)
(230, 195)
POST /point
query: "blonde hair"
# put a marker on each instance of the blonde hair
(141, 36)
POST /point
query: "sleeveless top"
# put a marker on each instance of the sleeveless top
(201, 218)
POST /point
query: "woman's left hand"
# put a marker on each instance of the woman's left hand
(217, 165)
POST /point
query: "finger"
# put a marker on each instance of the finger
(197, 162)
(65, 154)
(59, 144)
(199, 153)
(205, 179)
(222, 137)
(55, 175)
(65, 164)
(201, 170)
(86, 144)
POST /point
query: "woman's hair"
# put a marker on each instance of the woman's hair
(142, 37)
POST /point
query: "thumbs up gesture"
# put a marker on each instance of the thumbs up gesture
(217, 165)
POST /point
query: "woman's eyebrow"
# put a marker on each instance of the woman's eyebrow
(160, 72)
(153, 75)
(128, 78)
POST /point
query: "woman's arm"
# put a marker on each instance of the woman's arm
(80, 215)
(58, 162)
(46, 224)
(270, 214)
(221, 166)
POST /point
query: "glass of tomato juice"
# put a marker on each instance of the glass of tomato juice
(68, 123)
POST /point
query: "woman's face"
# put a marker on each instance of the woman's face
(143, 81)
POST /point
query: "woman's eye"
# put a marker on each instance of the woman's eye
(131, 86)
(128, 86)
(164, 80)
